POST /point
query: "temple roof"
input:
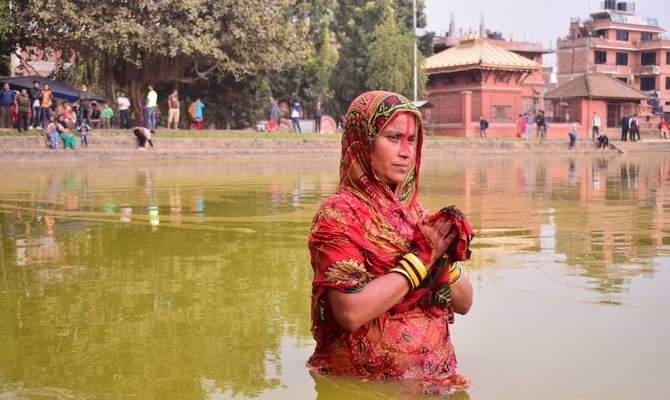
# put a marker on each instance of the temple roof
(595, 86)
(478, 54)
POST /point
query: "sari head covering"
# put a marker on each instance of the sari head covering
(357, 235)
(366, 118)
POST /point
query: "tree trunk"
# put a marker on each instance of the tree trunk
(135, 99)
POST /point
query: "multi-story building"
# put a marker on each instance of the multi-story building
(617, 42)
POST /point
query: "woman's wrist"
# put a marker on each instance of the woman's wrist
(455, 273)
(412, 268)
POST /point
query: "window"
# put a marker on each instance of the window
(622, 35)
(648, 83)
(601, 33)
(646, 36)
(621, 58)
(501, 113)
(648, 58)
(623, 79)
(613, 115)
(667, 57)
(667, 83)
(601, 57)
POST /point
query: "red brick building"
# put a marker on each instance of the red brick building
(617, 42)
(481, 77)
(578, 99)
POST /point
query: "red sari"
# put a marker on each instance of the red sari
(358, 234)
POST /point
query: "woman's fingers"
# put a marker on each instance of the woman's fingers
(450, 237)
(445, 228)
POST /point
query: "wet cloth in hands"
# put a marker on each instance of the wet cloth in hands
(434, 294)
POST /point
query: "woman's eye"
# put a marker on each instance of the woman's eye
(394, 138)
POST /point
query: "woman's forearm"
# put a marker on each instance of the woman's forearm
(352, 310)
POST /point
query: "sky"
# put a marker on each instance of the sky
(540, 21)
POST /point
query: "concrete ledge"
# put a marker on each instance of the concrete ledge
(31, 148)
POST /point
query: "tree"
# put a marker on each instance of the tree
(391, 59)
(355, 23)
(157, 41)
(308, 79)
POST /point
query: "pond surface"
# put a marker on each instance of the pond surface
(192, 281)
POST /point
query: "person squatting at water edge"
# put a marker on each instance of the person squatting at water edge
(143, 136)
(387, 281)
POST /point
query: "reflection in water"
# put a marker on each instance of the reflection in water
(188, 281)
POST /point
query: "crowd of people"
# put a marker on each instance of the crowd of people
(295, 114)
(28, 109)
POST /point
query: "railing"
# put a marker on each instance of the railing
(607, 69)
(647, 70)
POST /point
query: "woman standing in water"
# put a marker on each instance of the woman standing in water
(386, 277)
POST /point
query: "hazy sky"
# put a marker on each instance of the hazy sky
(537, 21)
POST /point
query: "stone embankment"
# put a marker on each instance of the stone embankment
(32, 148)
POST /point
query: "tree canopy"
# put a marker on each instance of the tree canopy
(235, 53)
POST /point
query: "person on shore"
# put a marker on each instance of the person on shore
(483, 126)
(45, 104)
(84, 103)
(520, 126)
(23, 104)
(52, 133)
(35, 100)
(541, 124)
(663, 128)
(296, 109)
(173, 110)
(6, 103)
(573, 134)
(84, 128)
(69, 141)
(106, 115)
(69, 117)
(528, 125)
(123, 105)
(625, 124)
(318, 113)
(150, 108)
(94, 116)
(595, 126)
(274, 115)
(197, 112)
(386, 278)
(603, 140)
(634, 128)
(143, 136)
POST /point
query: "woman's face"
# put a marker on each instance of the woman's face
(394, 151)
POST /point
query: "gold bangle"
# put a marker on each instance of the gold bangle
(417, 264)
(406, 275)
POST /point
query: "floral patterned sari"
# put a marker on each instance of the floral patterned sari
(358, 234)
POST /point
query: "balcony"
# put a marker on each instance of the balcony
(647, 70)
(609, 69)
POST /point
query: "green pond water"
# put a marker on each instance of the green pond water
(191, 280)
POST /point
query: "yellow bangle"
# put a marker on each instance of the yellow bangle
(416, 280)
(455, 274)
(417, 264)
(406, 275)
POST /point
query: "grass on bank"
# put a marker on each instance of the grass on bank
(252, 134)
